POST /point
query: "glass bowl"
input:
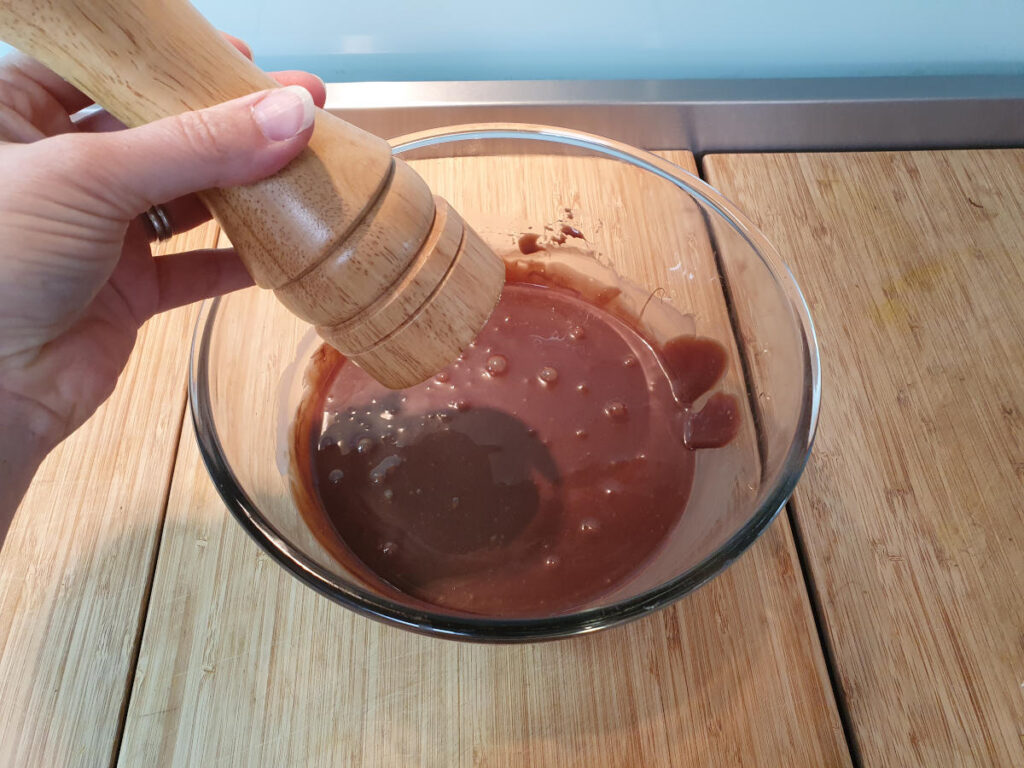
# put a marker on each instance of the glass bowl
(678, 246)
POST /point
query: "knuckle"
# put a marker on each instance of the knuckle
(18, 111)
(17, 98)
(8, 94)
(203, 135)
(24, 94)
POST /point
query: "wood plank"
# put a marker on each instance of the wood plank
(912, 507)
(75, 568)
(241, 664)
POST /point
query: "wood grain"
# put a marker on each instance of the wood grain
(912, 507)
(75, 567)
(242, 665)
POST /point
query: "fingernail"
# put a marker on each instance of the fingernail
(284, 112)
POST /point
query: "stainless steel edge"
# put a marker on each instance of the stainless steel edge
(714, 115)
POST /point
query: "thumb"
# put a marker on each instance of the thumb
(238, 142)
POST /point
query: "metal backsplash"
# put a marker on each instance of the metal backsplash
(714, 115)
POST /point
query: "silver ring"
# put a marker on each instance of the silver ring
(159, 223)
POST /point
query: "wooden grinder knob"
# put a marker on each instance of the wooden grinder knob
(349, 238)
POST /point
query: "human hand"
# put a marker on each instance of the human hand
(77, 277)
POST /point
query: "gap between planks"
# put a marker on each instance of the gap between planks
(204, 236)
(799, 544)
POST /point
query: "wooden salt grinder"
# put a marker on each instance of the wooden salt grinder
(349, 238)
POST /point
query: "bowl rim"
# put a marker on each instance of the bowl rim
(481, 629)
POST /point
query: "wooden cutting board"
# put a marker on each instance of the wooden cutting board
(242, 665)
(912, 507)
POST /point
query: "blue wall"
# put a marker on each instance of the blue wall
(483, 39)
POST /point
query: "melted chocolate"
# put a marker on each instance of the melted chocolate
(539, 471)
(528, 243)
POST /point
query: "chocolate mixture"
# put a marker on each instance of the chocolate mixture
(539, 471)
